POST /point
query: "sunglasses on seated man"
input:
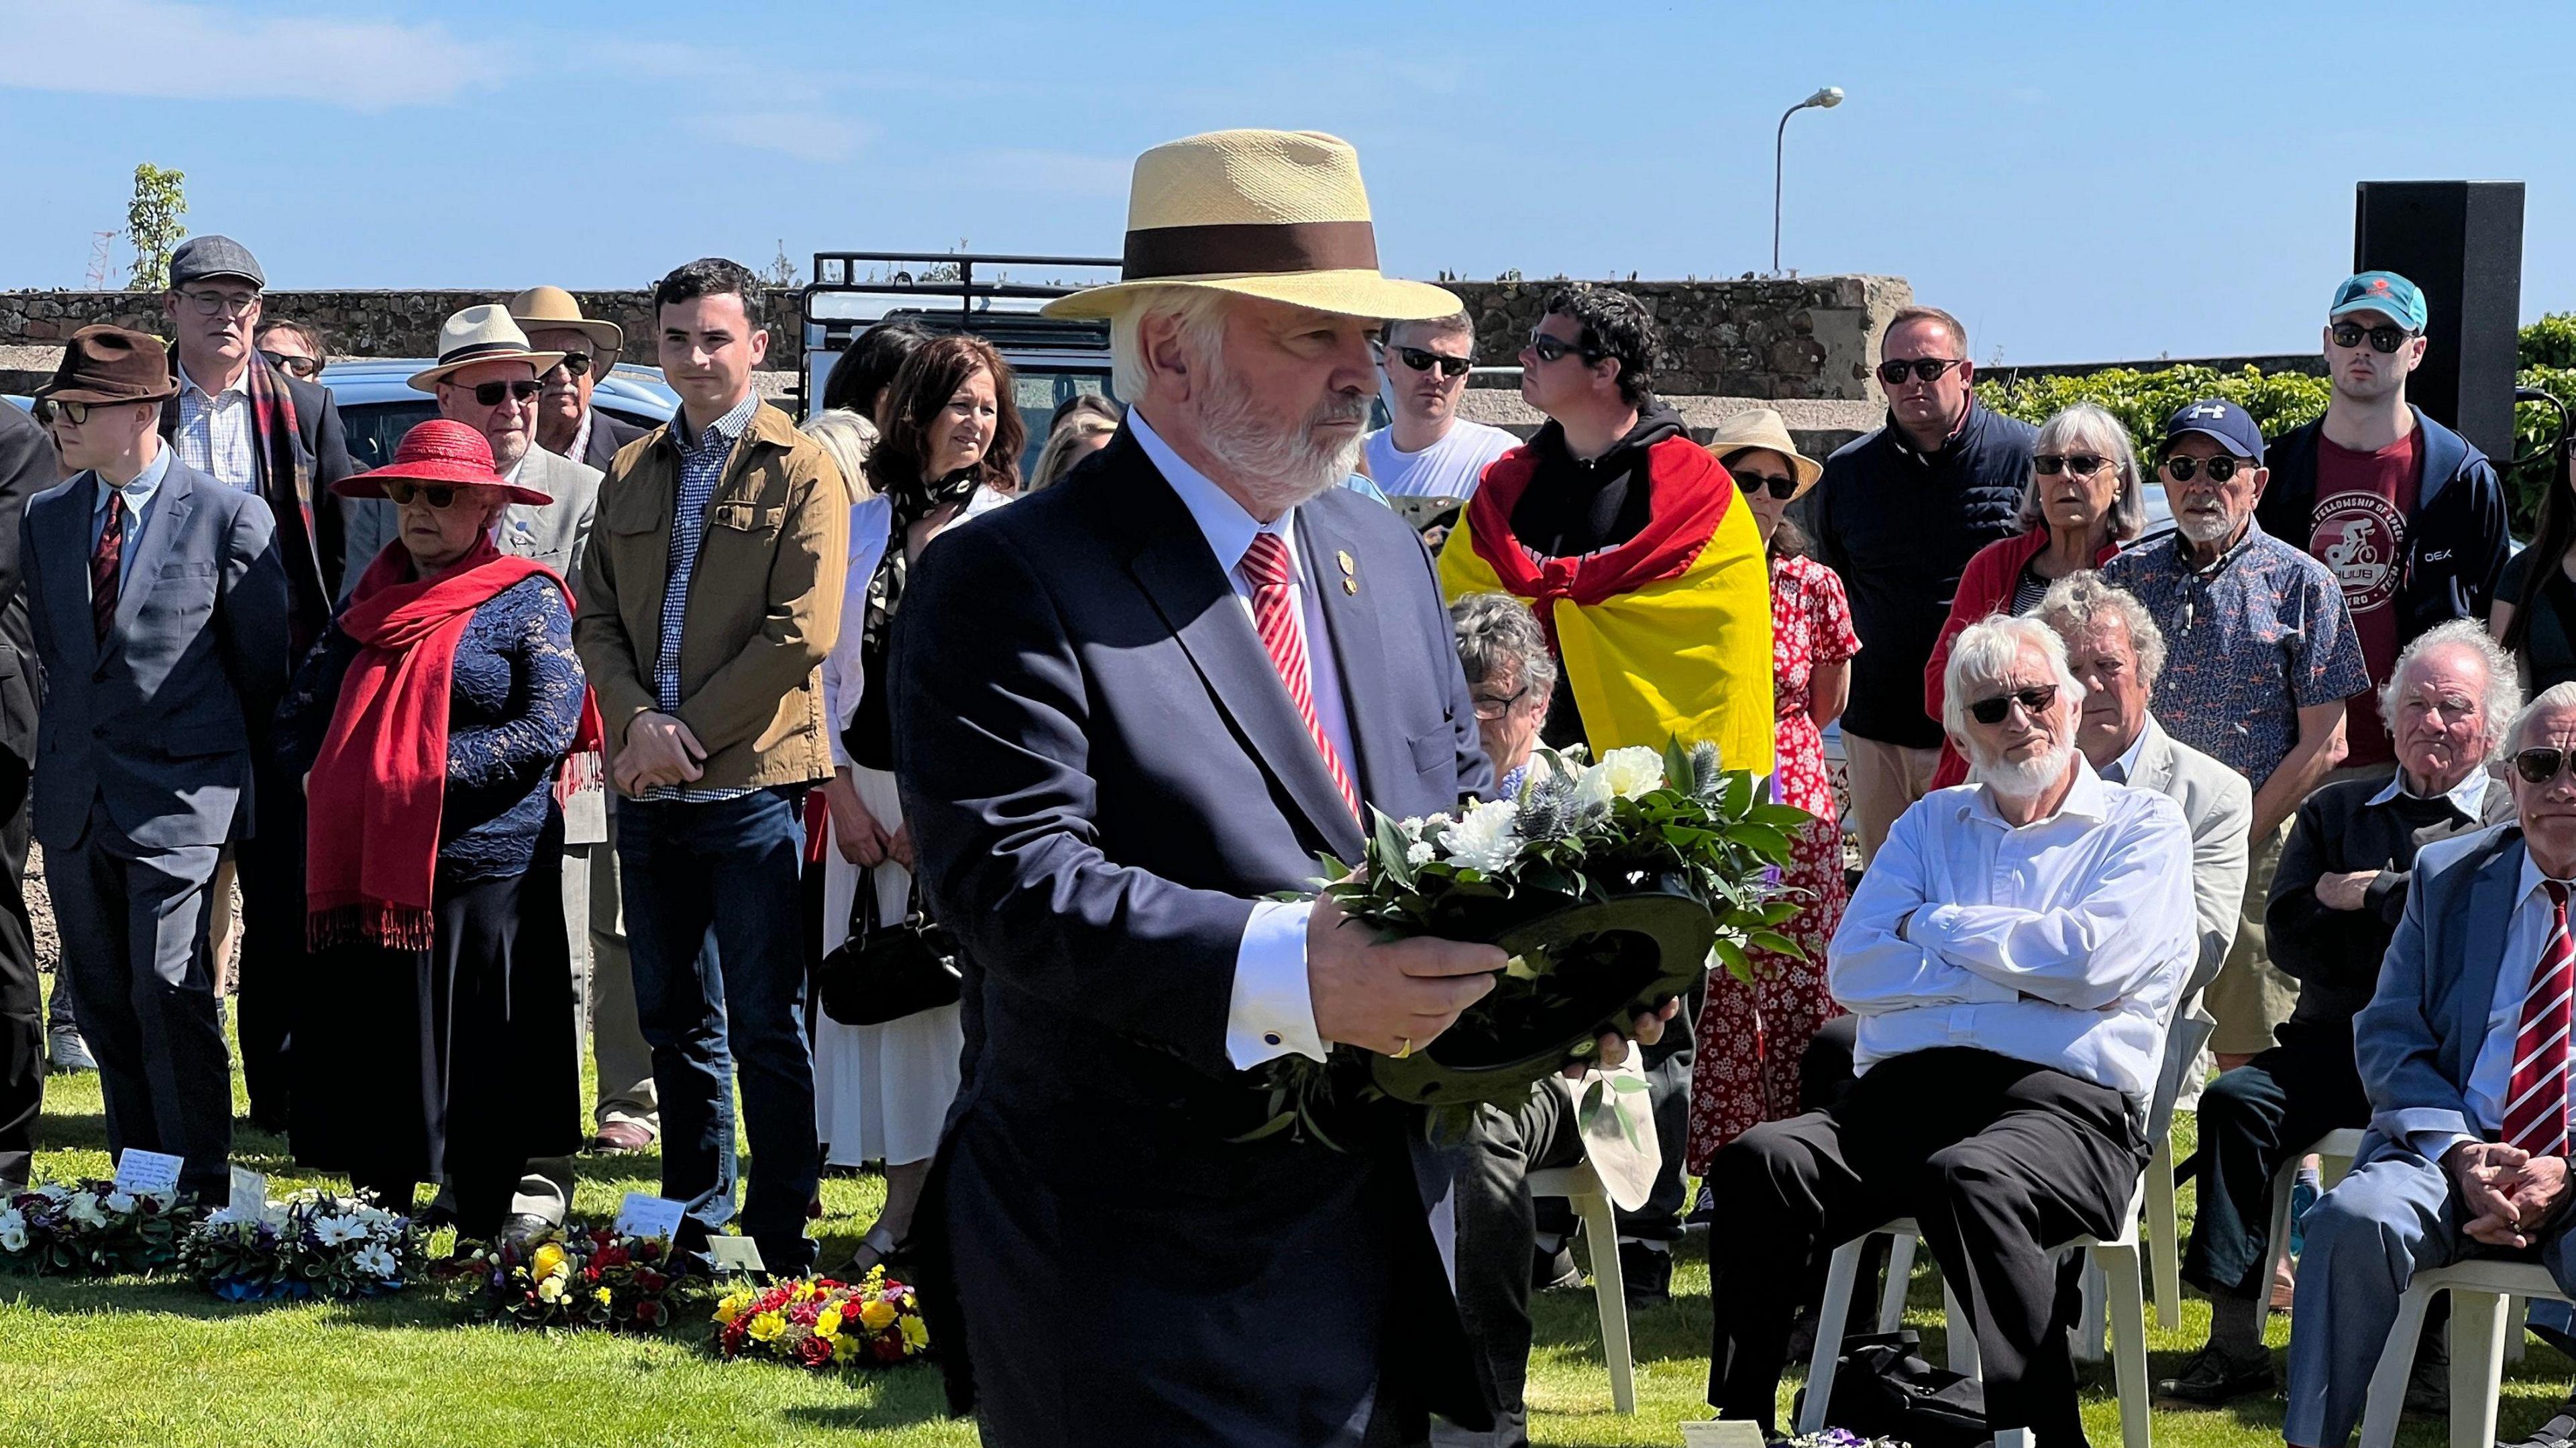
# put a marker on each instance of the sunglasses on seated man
(2541, 764)
(2034, 701)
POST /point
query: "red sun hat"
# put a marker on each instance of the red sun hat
(440, 451)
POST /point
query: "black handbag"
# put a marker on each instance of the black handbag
(1884, 1389)
(882, 973)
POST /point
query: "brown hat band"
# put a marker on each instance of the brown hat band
(1254, 247)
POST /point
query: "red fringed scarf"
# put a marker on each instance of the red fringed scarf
(380, 781)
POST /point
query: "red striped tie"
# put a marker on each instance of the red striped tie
(1267, 567)
(2535, 1113)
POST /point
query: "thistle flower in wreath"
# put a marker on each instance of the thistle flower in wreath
(1547, 809)
(1486, 839)
(1632, 771)
(1708, 773)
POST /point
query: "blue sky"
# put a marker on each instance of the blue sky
(2078, 182)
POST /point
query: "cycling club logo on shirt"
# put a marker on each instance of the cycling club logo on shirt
(2362, 537)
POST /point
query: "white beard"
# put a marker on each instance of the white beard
(1279, 469)
(2023, 778)
(2205, 529)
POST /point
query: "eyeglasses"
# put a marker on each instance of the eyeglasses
(74, 413)
(439, 496)
(575, 364)
(292, 365)
(218, 304)
(1422, 361)
(493, 394)
(1894, 369)
(1549, 349)
(2183, 469)
(2034, 701)
(1753, 483)
(2541, 764)
(2083, 465)
(1490, 708)
(2382, 338)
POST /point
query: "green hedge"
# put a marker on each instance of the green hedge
(2142, 400)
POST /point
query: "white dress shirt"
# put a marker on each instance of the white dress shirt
(2492, 1073)
(214, 432)
(2063, 941)
(2469, 797)
(1273, 1012)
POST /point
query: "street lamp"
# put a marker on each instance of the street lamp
(1825, 98)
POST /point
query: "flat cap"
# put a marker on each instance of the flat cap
(200, 257)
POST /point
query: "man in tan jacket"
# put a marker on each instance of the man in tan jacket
(710, 594)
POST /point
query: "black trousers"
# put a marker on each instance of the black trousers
(1995, 1159)
(1495, 1218)
(22, 1011)
(271, 867)
(2251, 1120)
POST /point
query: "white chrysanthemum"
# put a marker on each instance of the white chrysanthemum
(120, 1203)
(1418, 853)
(1633, 771)
(13, 1230)
(333, 1231)
(1487, 839)
(376, 1262)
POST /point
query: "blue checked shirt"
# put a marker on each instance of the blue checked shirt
(702, 465)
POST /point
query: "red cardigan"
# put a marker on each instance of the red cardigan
(1985, 587)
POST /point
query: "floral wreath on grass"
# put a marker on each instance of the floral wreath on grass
(1672, 823)
(89, 1229)
(820, 1323)
(572, 1277)
(313, 1244)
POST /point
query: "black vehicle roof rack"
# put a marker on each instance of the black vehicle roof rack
(838, 271)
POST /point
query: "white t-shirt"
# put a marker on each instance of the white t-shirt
(1449, 468)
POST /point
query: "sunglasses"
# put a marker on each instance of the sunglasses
(1549, 349)
(493, 394)
(1422, 361)
(292, 365)
(2034, 701)
(1490, 707)
(2083, 465)
(1894, 370)
(439, 496)
(2184, 469)
(575, 364)
(1753, 483)
(74, 413)
(2542, 764)
(2382, 339)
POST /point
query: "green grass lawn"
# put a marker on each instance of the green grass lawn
(133, 1361)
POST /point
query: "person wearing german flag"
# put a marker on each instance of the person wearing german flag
(1646, 571)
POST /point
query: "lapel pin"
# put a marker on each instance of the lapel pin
(1350, 571)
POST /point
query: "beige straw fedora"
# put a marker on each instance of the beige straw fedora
(1274, 214)
(1761, 427)
(539, 308)
(480, 334)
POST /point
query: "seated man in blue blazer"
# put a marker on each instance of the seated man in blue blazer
(2464, 1053)
(158, 602)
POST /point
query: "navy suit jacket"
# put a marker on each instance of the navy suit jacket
(1102, 773)
(2418, 1039)
(27, 467)
(160, 722)
(607, 434)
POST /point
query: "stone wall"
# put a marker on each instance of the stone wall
(1807, 337)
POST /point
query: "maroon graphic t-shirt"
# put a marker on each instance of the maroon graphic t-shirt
(2364, 500)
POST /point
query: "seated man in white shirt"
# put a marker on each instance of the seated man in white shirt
(2014, 954)
(1427, 450)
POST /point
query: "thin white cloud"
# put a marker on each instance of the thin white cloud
(1048, 173)
(820, 136)
(795, 116)
(205, 52)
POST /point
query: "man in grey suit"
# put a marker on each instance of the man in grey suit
(158, 602)
(2464, 1052)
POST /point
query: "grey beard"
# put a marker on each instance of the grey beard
(2214, 530)
(1279, 469)
(2020, 779)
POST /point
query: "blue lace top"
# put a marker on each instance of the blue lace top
(512, 708)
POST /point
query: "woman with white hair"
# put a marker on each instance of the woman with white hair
(2083, 501)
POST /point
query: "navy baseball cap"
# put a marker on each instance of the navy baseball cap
(2384, 292)
(2222, 421)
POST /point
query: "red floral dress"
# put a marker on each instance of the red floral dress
(1750, 1037)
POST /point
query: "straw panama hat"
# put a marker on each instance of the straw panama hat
(539, 308)
(1761, 427)
(1274, 214)
(480, 334)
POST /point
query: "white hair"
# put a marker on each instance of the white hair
(1990, 649)
(2087, 424)
(1276, 464)
(1202, 316)
(2552, 700)
(2078, 602)
(847, 437)
(2503, 701)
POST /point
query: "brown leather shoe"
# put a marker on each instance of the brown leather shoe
(621, 1138)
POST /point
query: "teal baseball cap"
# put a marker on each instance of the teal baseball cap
(2384, 292)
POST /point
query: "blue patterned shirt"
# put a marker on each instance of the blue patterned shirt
(2249, 641)
(702, 465)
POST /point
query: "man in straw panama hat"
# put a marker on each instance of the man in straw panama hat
(566, 422)
(1131, 709)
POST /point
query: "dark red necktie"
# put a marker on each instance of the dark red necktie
(104, 561)
(2535, 1112)
(1267, 567)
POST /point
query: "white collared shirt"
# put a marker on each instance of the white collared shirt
(2469, 796)
(2062, 942)
(1272, 1011)
(2491, 1076)
(214, 432)
(136, 497)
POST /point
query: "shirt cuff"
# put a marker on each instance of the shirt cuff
(1272, 1012)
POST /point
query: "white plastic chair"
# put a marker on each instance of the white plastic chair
(2336, 1149)
(1581, 1186)
(2479, 1291)
(2163, 1223)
